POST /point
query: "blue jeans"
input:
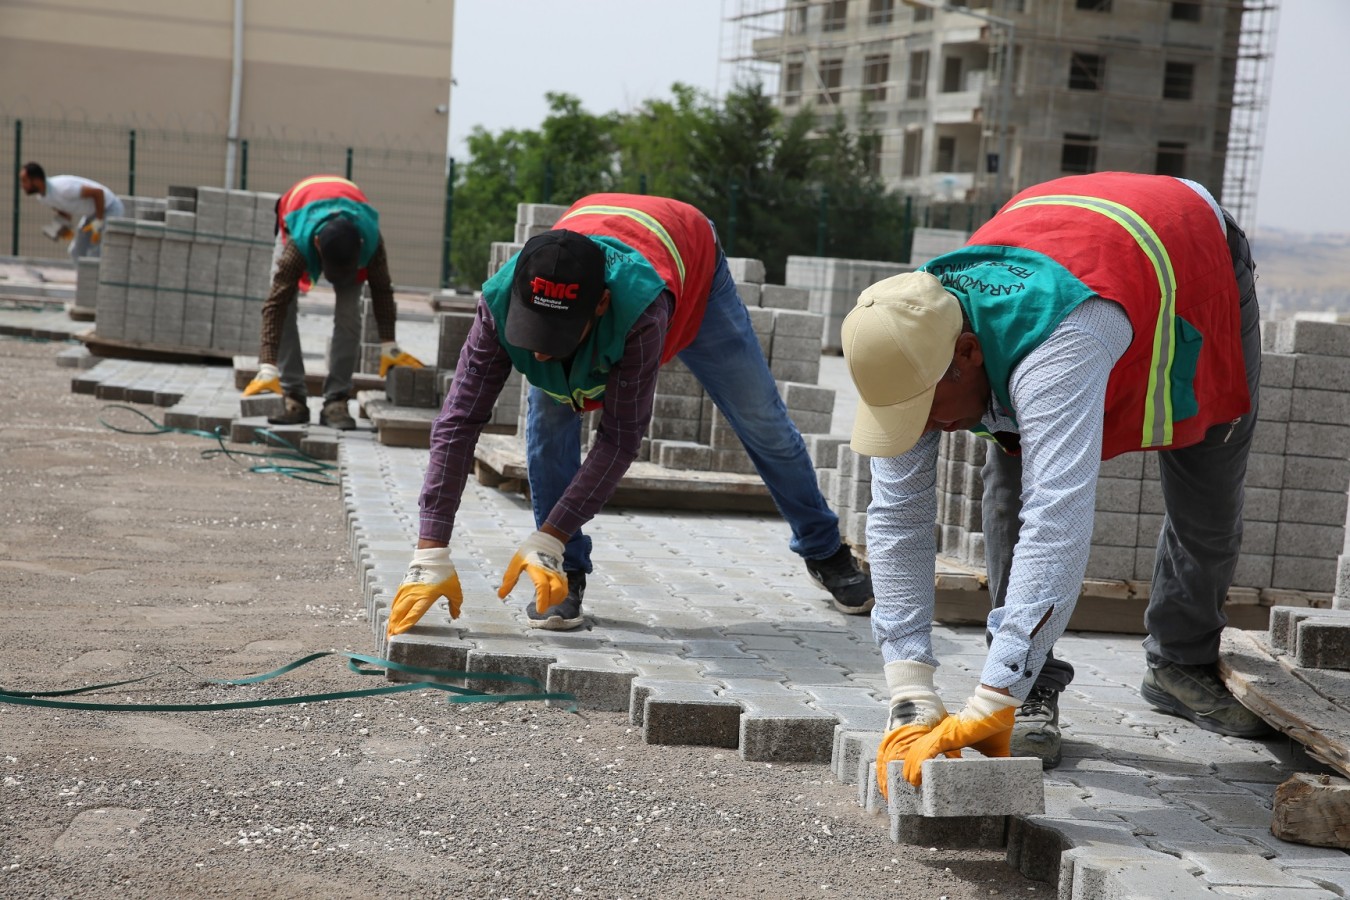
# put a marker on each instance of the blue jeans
(726, 359)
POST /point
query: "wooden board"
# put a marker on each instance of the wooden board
(645, 485)
(1311, 706)
(1313, 809)
(245, 367)
(143, 352)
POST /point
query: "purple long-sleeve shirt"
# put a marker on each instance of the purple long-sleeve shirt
(483, 368)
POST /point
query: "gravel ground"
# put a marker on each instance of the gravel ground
(122, 556)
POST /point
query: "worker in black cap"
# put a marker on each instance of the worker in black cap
(589, 312)
(325, 226)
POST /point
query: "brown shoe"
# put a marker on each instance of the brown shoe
(335, 415)
(297, 412)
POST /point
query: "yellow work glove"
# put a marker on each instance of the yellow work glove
(267, 379)
(985, 724)
(391, 355)
(915, 710)
(430, 576)
(541, 557)
(94, 227)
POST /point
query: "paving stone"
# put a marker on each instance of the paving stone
(682, 713)
(970, 786)
(595, 679)
(1103, 873)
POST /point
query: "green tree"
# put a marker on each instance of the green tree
(655, 143)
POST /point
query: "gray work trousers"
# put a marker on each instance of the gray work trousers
(342, 349)
(1202, 488)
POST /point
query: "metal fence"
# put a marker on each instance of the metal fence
(409, 188)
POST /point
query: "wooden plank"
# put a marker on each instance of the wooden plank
(143, 352)
(1270, 685)
(1313, 809)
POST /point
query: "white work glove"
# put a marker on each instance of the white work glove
(916, 709)
(391, 355)
(267, 379)
(430, 576)
(541, 557)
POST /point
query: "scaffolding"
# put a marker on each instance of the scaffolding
(1251, 97)
(761, 36)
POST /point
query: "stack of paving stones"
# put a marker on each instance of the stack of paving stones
(833, 286)
(1294, 520)
(85, 305)
(189, 271)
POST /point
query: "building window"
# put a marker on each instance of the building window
(909, 160)
(923, 14)
(796, 17)
(1094, 5)
(951, 75)
(1186, 12)
(836, 16)
(876, 71)
(792, 84)
(873, 152)
(1086, 72)
(918, 75)
(831, 76)
(880, 12)
(1179, 81)
(1079, 155)
(1171, 159)
(946, 155)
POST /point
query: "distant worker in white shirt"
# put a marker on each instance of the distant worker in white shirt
(81, 205)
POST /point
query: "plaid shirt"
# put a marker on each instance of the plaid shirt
(291, 268)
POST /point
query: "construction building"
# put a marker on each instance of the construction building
(976, 102)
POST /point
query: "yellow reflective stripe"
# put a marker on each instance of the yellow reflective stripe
(321, 179)
(1157, 424)
(643, 219)
(578, 394)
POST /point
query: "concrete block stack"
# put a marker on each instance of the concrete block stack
(533, 219)
(930, 242)
(188, 271)
(833, 286)
(86, 287)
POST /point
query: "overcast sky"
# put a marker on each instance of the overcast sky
(614, 54)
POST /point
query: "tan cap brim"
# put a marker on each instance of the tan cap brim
(891, 430)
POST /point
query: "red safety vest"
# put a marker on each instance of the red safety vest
(1151, 244)
(674, 237)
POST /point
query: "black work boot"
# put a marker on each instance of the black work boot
(848, 584)
(563, 616)
(335, 415)
(1036, 727)
(296, 412)
(1197, 693)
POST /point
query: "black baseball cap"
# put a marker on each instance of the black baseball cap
(340, 251)
(559, 280)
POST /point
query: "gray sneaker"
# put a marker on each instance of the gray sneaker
(1197, 693)
(1036, 727)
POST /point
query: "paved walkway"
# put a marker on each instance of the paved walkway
(706, 629)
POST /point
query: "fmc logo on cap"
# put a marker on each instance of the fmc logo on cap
(542, 288)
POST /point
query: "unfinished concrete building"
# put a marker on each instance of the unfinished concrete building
(975, 102)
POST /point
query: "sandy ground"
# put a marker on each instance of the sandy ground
(122, 556)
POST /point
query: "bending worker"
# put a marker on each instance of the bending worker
(1092, 316)
(589, 312)
(325, 226)
(81, 206)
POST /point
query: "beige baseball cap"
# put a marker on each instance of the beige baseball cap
(898, 343)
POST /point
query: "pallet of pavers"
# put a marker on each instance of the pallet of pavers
(1296, 676)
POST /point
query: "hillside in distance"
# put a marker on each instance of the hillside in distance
(1301, 272)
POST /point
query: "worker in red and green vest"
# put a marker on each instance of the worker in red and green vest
(325, 227)
(1094, 315)
(589, 312)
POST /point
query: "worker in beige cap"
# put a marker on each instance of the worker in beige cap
(1092, 316)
